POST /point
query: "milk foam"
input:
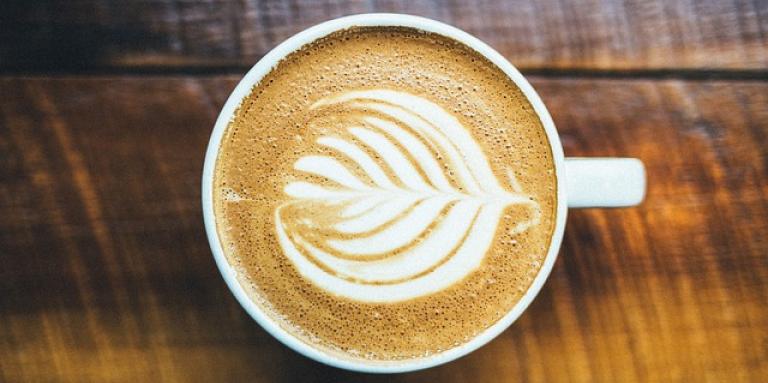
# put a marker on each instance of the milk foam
(333, 216)
(404, 230)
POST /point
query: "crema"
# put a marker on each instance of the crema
(385, 193)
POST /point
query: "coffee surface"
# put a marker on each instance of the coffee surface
(385, 193)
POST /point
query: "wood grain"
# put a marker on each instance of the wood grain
(106, 274)
(87, 35)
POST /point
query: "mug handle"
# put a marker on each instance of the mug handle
(604, 182)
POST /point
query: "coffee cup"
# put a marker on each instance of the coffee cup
(581, 182)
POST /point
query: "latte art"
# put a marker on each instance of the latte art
(387, 224)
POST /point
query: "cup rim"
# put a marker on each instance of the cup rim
(261, 69)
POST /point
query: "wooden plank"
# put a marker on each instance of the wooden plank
(106, 273)
(549, 34)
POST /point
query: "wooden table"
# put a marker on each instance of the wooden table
(106, 109)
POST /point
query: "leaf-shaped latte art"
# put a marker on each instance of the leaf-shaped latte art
(405, 205)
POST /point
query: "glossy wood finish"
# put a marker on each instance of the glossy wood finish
(106, 273)
(83, 35)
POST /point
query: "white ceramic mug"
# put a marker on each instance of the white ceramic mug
(581, 182)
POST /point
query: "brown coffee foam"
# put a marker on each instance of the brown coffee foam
(274, 127)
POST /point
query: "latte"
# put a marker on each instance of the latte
(385, 193)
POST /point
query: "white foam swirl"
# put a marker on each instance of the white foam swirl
(394, 225)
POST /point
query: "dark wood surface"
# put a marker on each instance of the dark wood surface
(110, 35)
(106, 109)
